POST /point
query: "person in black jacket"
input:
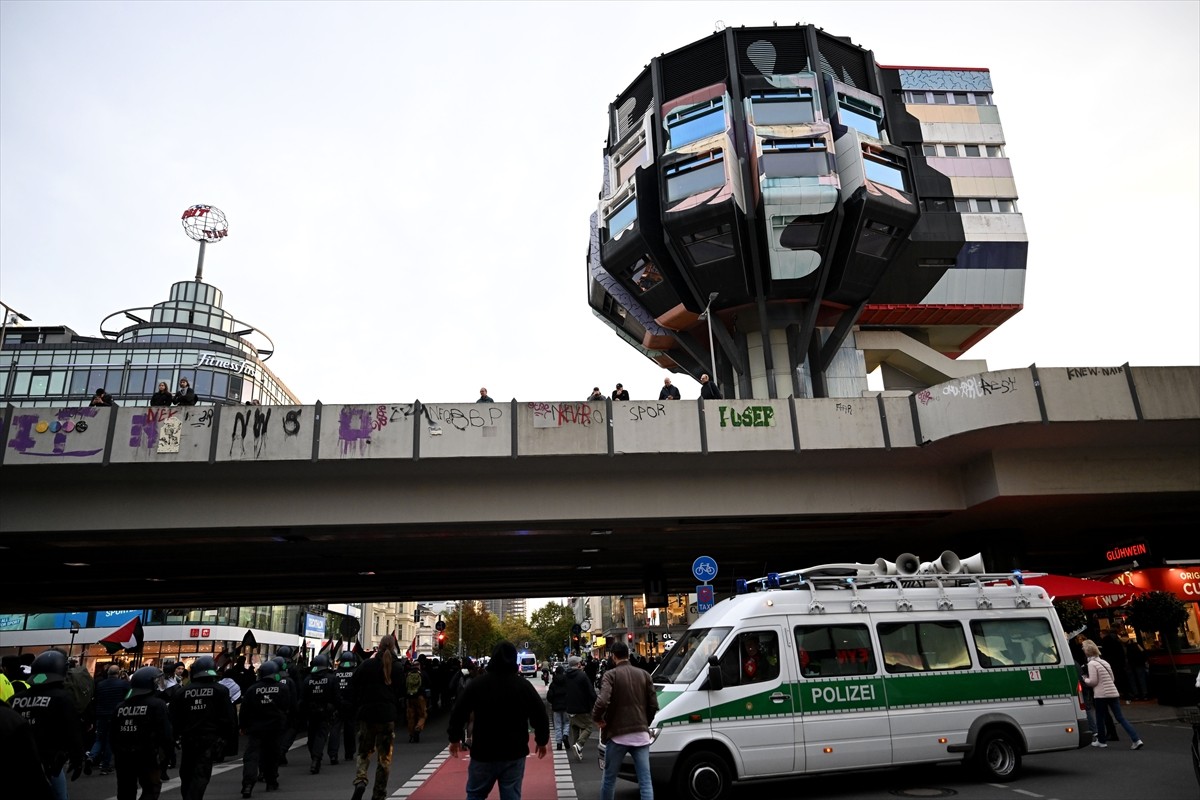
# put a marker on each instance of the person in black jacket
(708, 389)
(318, 700)
(102, 398)
(581, 696)
(505, 706)
(556, 696)
(206, 724)
(265, 708)
(162, 397)
(378, 687)
(185, 396)
(142, 736)
(50, 711)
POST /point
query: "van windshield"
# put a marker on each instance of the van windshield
(689, 657)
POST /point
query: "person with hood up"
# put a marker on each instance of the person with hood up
(505, 706)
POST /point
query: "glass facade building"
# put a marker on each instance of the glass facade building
(190, 335)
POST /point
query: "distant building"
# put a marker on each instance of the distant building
(835, 213)
(508, 608)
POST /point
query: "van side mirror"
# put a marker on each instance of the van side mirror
(716, 681)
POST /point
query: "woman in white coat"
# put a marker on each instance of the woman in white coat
(1105, 695)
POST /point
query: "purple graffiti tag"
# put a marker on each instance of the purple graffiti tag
(354, 430)
(23, 442)
(143, 429)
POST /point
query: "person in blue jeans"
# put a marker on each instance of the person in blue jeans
(505, 706)
(1100, 677)
(624, 709)
(109, 694)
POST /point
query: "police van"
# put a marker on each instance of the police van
(527, 663)
(852, 666)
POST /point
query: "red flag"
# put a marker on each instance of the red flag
(127, 637)
(412, 650)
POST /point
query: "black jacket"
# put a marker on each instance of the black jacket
(161, 399)
(185, 398)
(581, 695)
(109, 694)
(505, 706)
(23, 775)
(141, 734)
(375, 700)
(202, 710)
(265, 707)
(556, 695)
(319, 695)
(57, 729)
(710, 391)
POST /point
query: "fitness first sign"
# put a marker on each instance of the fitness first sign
(233, 365)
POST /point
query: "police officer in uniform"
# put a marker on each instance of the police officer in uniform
(266, 705)
(50, 711)
(141, 736)
(289, 676)
(205, 723)
(318, 700)
(341, 728)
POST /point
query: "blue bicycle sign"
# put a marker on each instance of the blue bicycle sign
(704, 568)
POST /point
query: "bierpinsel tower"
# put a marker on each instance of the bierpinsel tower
(780, 210)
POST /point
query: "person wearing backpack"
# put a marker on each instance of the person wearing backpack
(414, 693)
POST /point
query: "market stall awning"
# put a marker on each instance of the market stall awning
(1065, 587)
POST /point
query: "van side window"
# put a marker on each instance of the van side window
(923, 646)
(829, 651)
(1014, 642)
(752, 657)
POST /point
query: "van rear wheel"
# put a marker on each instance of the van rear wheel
(998, 756)
(702, 775)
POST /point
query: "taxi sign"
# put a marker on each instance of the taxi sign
(704, 568)
(704, 598)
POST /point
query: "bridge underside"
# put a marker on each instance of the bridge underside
(1040, 497)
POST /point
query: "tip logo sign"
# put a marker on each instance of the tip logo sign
(704, 568)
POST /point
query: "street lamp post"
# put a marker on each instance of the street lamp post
(712, 353)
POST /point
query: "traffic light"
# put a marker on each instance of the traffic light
(441, 639)
(629, 637)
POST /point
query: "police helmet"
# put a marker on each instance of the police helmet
(269, 669)
(204, 667)
(280, 662)
(320, 663)
(348, 657)
(49, 667)
(284, 651)
(145, 681)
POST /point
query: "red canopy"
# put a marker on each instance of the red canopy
(1063, 587)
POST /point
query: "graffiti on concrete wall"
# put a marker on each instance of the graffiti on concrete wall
(747, 417)
(27, 429)
(559, 415)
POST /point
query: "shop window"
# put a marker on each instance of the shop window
(694, 123)
(833, 651)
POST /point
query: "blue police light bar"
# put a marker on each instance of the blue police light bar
(772, 580)
(1018, 578)
(740, 586)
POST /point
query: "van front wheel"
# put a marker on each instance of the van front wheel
(702, 776)
(998, 756)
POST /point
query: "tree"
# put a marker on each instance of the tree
(515, 630)
(1160, 612)
(1071, 615)
(551, 626)
(478, 629)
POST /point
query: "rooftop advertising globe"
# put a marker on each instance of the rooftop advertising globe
(205, 223)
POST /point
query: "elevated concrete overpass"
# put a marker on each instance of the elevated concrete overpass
(136, 507)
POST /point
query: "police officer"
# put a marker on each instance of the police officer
(142, 736)
(50, 711)
(289, 676)
(205, 723)
(266, 705)
(341, 728)
(318, 702)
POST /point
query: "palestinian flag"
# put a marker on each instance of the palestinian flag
(411, 655)
(249, 641)
(127, 637)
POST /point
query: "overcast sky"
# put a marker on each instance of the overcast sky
(408, 184)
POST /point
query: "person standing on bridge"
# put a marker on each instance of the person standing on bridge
(378, 688)
(620, 393)
(669, 391)
(709, 389)
(483, 396)
(186, 396)
(505, 706)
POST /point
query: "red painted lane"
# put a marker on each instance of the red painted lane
(450, 779)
